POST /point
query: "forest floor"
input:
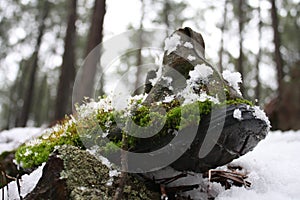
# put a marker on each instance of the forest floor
(273, 167)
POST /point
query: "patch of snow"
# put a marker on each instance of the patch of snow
(191, 58)
(171, 43)
(273, 168)
(13, 138)
(201, 72)
(167, 82)
(188, 45)
(190, 96)
(158, 75)
(91, 108)
(260, 114)
(233, 79)
(168, 99)
(237, 114)
(27, 182)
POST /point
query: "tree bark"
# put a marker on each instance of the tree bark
(222, 37)
(258, 57)
(277, 43)
(240, 67)
(139, 62)
(67, 74)
(86, 87)
(25, 111)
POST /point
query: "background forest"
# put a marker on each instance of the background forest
(44, 43)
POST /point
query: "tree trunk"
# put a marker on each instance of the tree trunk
(240, 67)
(139, 62)
(67, 75)
(25, 111)
(222, 37)
(277, 42)
(42, 105)
(258, 57)
(86, 87)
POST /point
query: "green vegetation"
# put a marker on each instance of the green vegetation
(95, 129)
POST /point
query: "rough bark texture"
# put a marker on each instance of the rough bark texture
(67, 74)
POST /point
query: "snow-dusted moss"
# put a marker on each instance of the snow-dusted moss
(101, 122)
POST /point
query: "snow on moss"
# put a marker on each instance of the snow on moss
(88, 109)
(171, 43)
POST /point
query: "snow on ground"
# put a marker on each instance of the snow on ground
(273, 167)
(27, 182)
(11, 139)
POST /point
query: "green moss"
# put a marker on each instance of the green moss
(176, 118)
(34, 155)
(30, 156)
(239, 101)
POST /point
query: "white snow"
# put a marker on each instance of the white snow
(168, 99)
(27, 182)
(167, 82)
(171, 43)
(233, 79)
(158, 75)
(91, 108)
(260, 114)
(237, 114)
(12, 139)
(273, 168)
(188, 45)
(191, 58)
(201, 72)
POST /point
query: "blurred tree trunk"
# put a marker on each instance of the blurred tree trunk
(42, 103)
(277, 43)
(222, 37)
(258, 57)
(284, 110)
(67, 74)
(139, 62)
(167, 9)
(86, 86)
(29, 91)
(240, 67)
